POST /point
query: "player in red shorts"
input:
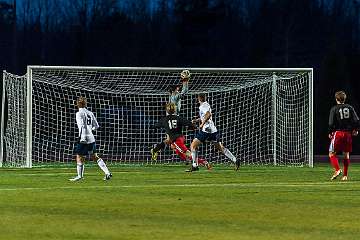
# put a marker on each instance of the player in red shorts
(173, 125)
(343, 124)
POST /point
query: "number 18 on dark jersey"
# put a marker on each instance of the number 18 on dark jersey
(343, 118)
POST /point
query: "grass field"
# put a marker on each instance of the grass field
(164, 202)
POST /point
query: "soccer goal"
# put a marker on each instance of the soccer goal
(265, 116)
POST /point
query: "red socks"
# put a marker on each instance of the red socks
(346, 166)
(334, 162)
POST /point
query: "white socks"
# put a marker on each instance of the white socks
(229, 155)
(80, 169)
(103, 166)
(194, 158)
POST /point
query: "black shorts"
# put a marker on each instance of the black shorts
(210, 137)
(84, 149)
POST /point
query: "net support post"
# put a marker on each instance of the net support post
(273, 95)
(2, 134)
(311, 119)
(28, 163)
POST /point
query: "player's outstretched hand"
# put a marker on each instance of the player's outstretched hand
(355, 132)
(185, 76)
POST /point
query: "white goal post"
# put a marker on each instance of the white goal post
(264, 115)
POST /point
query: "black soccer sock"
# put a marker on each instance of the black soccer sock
(159, 146)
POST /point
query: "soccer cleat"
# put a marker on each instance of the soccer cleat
(74, 179)
(193, 169)
(344, 178)
(208, 165)
(107, 177)
(237, 164)
(336, 174)
(154, 154)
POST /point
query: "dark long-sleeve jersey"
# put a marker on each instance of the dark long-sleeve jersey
(173, 125)
(343, 117)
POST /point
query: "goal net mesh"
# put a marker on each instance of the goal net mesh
(263, 117)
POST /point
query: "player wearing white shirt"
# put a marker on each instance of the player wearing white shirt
(208, 132)
(86, 123)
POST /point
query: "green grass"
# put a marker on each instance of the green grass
(164, 202)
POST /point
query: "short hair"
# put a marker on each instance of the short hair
(202, 96)
(81, 102)
(173, 88)
(170, 108)
(340, 96)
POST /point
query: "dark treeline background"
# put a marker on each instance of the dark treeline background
(323, 34)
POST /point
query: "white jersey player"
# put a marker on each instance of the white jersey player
(208, 132)
(208, 126)
(87, 122)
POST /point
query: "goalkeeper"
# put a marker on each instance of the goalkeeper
(173, 125)
(175, 98)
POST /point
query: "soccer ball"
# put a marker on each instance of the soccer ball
(185, 74)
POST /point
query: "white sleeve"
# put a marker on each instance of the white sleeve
(81, 126)
(95, 124)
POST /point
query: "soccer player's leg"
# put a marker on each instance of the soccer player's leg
(220, 147)
(180, 148)
(80, 151)
(158, 147)
(335, 146)
(346, 162)
(200, 161)
(194, 146)
(181, 155)
(347, 149)
(186, 156)
(184, 153)
(335, 163)
(80, 166)
(102, 166)
(203, 162)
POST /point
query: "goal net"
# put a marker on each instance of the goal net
(264, 116)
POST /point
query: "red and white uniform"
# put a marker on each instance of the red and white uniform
(341, 141)
(342, 121)
(179, 144)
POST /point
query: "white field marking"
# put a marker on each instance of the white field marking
(244, 185)
(62, 173)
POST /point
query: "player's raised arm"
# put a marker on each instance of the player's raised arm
(185, 77)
